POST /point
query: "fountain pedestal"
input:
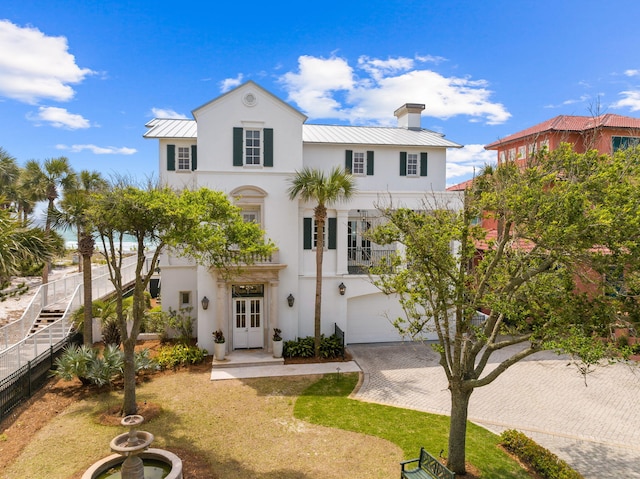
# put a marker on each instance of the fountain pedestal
(131, 449)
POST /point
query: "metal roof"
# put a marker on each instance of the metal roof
(373, 135)
(171, 128)
(331, 134)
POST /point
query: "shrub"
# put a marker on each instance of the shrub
(92, 367)
(544, 462)
(330, 347)
(180, 355)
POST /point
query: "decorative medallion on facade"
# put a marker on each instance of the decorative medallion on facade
(250, 99)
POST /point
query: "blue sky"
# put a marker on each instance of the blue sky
(81, 78)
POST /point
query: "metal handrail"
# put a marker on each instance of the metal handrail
(50, 293)
(31, 345)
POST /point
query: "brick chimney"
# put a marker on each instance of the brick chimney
(408, 115)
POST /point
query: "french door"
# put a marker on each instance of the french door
(248, 323)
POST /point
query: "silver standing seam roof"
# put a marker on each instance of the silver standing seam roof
(332, 134)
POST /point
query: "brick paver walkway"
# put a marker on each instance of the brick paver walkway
(594, 427)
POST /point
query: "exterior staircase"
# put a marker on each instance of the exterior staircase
(46, 317)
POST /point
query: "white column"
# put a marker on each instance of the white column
(274, 301)
(341, 240)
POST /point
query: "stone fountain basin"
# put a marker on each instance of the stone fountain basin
(151, 453)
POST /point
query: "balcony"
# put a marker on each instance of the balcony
(361, 259)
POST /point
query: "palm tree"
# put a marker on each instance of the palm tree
(313, 185)
(44, 184)
(73, 212)
(20, 245)
(9, 174)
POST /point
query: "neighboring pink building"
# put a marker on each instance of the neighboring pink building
(605, 133)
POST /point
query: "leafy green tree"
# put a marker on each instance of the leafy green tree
(73, 212)
(563, 219)
(45, 183)
(200, 224)
(324, 190)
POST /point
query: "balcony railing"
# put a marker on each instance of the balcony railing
(361, 259)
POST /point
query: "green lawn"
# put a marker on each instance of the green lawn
(326, 403)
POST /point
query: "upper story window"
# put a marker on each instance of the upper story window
(358, 163)
(522, 152)
(544, 144)
(253, 147)
(184, 158)
(512, 154)
(502, 157)
(413, 164)
(623, 142)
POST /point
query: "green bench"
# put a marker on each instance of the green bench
(428, 468)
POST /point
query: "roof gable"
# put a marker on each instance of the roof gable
(250, 84)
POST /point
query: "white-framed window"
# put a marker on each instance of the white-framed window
(184, 299)
(315, 235)
(532, 149)
(522, 152)
(183, 158)
(252, 147)
(502, 157)
(512, 154)
(544, 144)
(358, 167)
(251, 214)
(412, 164)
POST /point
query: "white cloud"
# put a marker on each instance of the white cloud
(59, 118)
(631, 100)
(230, 83)
(167, 113)
(632, 73)
(331, 88)
(317, 80)
(98, 150)
(34, 66)
(463, 163)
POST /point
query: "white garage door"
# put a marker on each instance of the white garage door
(369, 319)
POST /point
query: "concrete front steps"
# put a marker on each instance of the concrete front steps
(240, 358)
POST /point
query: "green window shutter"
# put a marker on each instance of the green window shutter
(333, 230)
(238, 146)
(423, 163)
(171, 157)
(268, 147)
(403, 163)
(194, 157)
(348, 160)
(369, 163)
(307, 233)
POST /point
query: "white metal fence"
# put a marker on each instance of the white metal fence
(18, 347)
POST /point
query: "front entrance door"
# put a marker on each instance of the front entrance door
(248, 317)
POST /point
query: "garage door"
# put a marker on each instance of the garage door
(369, 319)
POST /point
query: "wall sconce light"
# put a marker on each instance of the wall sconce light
(342, 288)
(290, 300)
(205, 302)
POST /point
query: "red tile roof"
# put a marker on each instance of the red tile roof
(570, 123)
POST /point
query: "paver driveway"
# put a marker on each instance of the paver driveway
(594, 427)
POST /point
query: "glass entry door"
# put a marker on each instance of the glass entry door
(248, 320)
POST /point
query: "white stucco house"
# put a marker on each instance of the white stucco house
(249, 144)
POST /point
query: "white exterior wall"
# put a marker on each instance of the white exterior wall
(363, 312)
(386, 175)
